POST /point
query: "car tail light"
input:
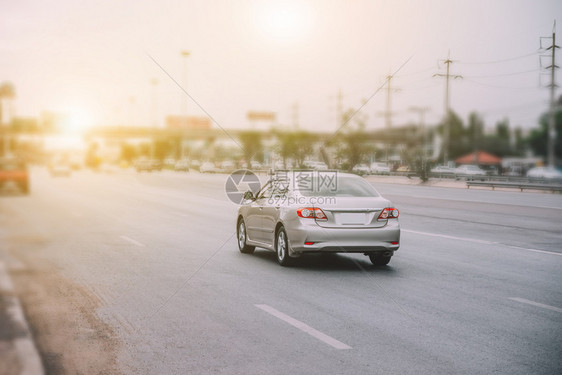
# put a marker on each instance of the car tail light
(389, 213)
(311, 213)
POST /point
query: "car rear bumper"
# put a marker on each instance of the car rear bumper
(313, 238)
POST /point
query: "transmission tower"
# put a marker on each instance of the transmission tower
(551, 118)
(446, 135)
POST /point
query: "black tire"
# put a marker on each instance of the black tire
(242, 237)
(282, 248)
(379, 260)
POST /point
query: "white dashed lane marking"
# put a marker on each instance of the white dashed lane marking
(130, 240)
(537, 304)
(484, 242)
(304, 327)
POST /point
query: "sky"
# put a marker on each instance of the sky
(98, 60)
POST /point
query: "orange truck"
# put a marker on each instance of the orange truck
(14, 171)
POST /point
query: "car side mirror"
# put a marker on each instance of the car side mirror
(249, 196)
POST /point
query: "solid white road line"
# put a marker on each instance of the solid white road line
(134, 242)
(548, 307)
(450, 237)
(304, 327)
(481, 242)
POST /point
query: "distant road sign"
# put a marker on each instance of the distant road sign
(188, 122)
(260, 116)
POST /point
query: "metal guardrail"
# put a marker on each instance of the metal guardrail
(553, 187)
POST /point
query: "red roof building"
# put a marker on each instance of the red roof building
(482, 158)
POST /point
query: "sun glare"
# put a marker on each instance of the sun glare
(285, 20)
(79, 120)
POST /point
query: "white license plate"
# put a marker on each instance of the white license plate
(350, 218)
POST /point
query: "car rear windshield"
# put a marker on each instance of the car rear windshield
(338, 187)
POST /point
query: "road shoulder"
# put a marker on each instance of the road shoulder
(18, 352)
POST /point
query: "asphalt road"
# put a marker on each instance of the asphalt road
(474, 289)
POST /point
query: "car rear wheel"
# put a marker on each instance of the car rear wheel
(379, 260)
(282, 248)
(242, 237)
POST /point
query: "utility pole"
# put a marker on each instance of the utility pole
(132, 114)
(154, 109)
(446, 135)
(295, 115)
(551, 158)
(339, 110)
(421, 112)
(7, 95)
(388, 113)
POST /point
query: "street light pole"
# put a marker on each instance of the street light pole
(154, 84)
(183, 108)
(7, 94)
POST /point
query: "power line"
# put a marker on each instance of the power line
(420, 87)
(499, 61)
(416, 73)
(512, 108)
(506, 74)
(368, 100)
(501, 87)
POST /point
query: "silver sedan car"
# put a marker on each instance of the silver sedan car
(338, 213)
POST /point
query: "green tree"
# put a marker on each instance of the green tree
(295, 145)
(284, 146)
(251, 142)
(502, 129)
(128, 152)
(475, 130)
(498, 143)
(160, 149)
(537, 138)
(459, 142)
(520, 144)
(354, 147)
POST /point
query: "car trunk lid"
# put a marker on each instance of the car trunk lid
(354, 213)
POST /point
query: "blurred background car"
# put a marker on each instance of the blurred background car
(227, 166)
(544, 172)
(442, 169)
(208, 167)
(194, 164)
(169, 163)
(316, 165)
(361, 169)
(181, 166)
(469, 170)
(60, 167)
(257, 165)
(380, 168)
(14, 171)
(143, 165)
(156, 165)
